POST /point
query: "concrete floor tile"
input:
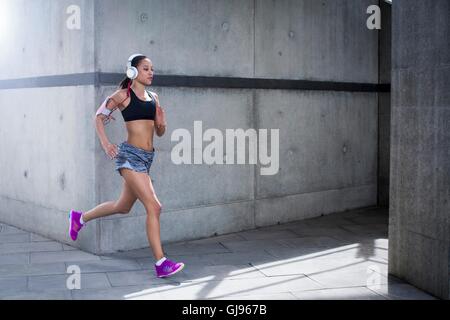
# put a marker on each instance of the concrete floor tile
(186, 248)
(61, 256)
(353, 251)
(39, 295)
(12, 285)
(254, 245)
(7, 229)
(106, 265)
(402, 291)
(238, 258)
(320, 231)
(14, 258)
(32, 269)
(68, 248)
(374, 230)
(29, 247)
(364, 274)
(38, 238)
(217, 239)
(137, 253)
(330, 220)
(225, 288)
(315, 242)
(314, 265)
(371, 219)
(59, 282)
(263, 234)
(117, 293)
(14, 237)
(268, 296)
(353, 293)
(212, 273)
(140, 277)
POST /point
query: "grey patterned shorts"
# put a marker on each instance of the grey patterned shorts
(134, 158)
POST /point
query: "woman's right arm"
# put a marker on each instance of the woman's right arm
(101, 118)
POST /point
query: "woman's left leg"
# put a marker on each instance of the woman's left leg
(122, 205)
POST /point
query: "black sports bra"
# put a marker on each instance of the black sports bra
(138, 109)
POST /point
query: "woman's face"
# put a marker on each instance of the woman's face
(145, 69)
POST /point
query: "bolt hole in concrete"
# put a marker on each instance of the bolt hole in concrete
(143, 17)
(225, 26)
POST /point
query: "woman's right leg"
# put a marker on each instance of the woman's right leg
(122, 205)
(142, 187)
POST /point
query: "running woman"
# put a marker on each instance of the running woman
(143, 116)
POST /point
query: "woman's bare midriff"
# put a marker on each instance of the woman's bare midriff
(140, 133)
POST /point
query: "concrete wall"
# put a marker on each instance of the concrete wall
(420, 159)
(37, 42)
(328, 139)
(384, 105)
(47, 140)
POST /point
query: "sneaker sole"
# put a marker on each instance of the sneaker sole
(70, 225)
(172, 273)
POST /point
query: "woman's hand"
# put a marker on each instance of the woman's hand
(111, 150)
(160, 116)
(160, 119)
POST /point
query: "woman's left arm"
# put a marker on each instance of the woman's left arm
(160, 119)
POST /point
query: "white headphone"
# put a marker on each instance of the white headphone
(132, 72)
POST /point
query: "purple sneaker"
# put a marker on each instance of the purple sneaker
(75, 224)
(168, 268)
